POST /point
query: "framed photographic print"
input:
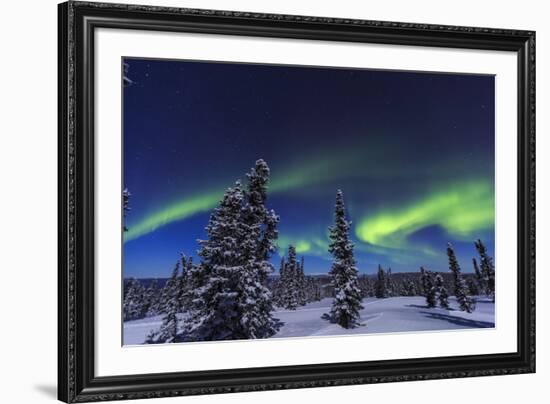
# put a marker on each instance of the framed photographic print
(256, 201)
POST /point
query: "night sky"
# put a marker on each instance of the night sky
(412, 152)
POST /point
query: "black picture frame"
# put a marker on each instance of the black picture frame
(76, 379)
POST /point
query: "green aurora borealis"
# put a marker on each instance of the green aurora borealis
(463, 210)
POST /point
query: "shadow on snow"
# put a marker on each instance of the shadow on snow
(421, 306)
(464, 322)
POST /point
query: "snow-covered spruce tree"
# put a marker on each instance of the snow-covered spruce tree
(258, 245)
(487, 269)
(215, 284)
(429, 288)
(293, 288)
(380, 286)
(229, 294)
(133, 304)
(290, 281)
(293, 281)
(442, 294)
(347, 295)
(171, 305)
(424, 281)
(465, 302)
(125, 204)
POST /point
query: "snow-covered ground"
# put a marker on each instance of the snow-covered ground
(396, 314)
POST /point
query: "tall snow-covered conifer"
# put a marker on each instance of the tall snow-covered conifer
(429, 287)
(487, 269)
(442, 294)
(258, 244)
(291, 293)
(215, 283)
(347, 295)
(229, 296)
(424, 281)
(125, 205)
(381, 284)
(465, 302)
(293, 286)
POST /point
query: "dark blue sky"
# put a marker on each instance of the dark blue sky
(412, 152)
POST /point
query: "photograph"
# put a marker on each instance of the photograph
(302, 201)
